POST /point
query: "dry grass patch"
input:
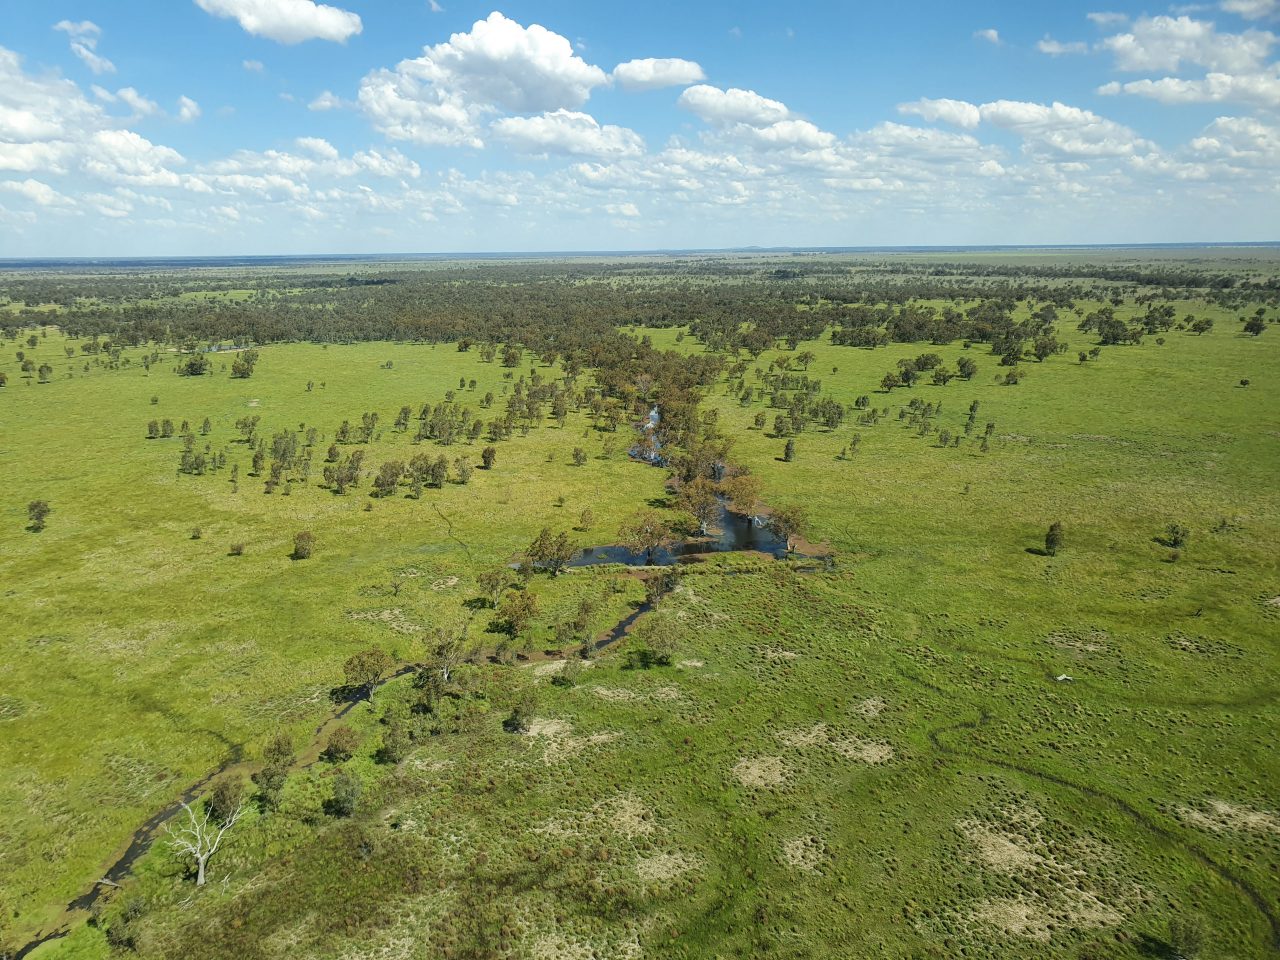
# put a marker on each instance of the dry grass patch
(762, 773)
(1220, 816)
(1059, 895)
(870, 708)
(664, 867)
(864, 751)
(1000, 850)
(393, 619)
(799, 737)
(558, 743)
(803, 853)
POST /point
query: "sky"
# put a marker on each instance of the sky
(237, 127)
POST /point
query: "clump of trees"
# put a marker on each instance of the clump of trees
(243, 364)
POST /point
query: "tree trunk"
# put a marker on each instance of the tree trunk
(200, 861)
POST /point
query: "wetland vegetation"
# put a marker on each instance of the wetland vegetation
(893, 605)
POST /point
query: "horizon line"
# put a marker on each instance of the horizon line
(656, 251)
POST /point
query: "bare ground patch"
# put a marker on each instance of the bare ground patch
(779, 655)
(1033, 917)
(1081, 641)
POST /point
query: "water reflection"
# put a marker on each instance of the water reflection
(731, 532)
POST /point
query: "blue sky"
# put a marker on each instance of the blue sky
(209, 127)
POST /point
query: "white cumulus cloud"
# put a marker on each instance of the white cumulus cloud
(1063, 129)
(37, 192)
(1262, 89)
(958, 113)
(568, 132)
(287, 21)
(652, 74)
(1165, 43)
(720, 107)
(1252, 9)
(499, 65)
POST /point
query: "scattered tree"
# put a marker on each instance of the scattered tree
(787, 523)
(646, 532)
(38, 512)
(200, 837)
(364, 670)
(1053, 539)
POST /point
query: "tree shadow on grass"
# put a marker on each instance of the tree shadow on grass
(1149, 946)
(346, 693)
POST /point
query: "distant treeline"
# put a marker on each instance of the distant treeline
(563, 307)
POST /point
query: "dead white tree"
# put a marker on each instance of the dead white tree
(200, 838)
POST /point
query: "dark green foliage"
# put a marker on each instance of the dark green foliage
(243, 364)
(226, 798)
(37, 513)
(342, 744)
(365, 669)
(277, 758)
(550, 552)
(396, 742)
(347, 787)
(521, 713)
(1186, 936)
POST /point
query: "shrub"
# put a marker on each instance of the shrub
(226, 798)
(304, 542)
(342, 744)
(346, 794)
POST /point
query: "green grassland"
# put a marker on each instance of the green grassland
(138, 657)
(870, 761)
